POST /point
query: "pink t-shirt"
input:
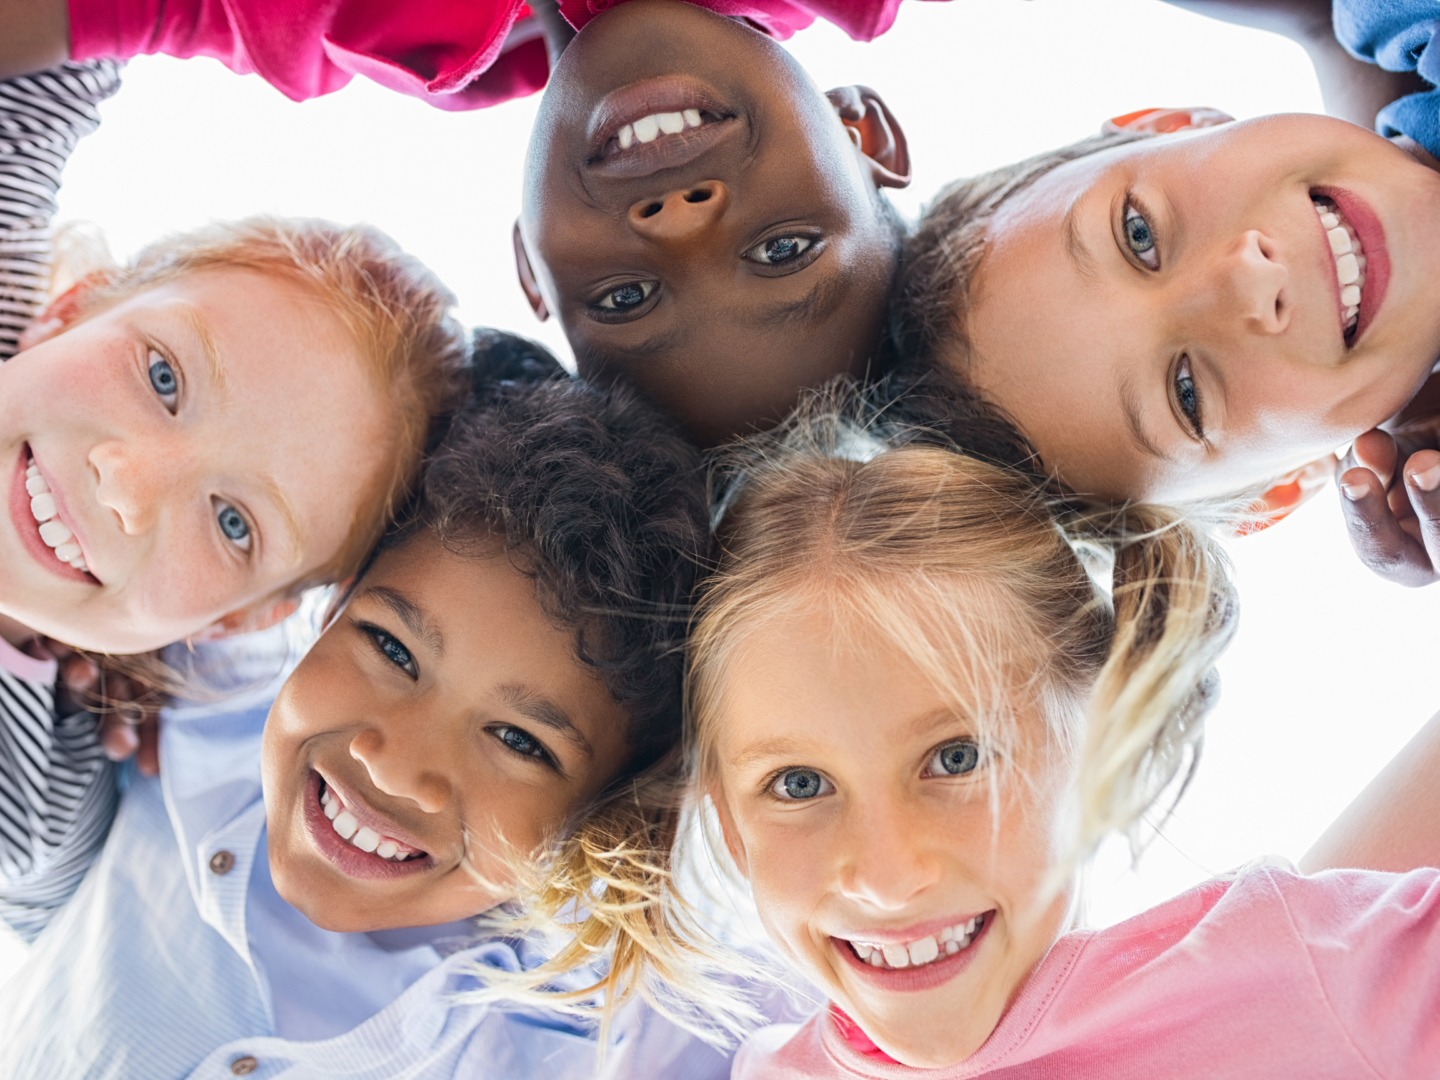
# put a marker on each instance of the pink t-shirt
(1260, 975)
(455, 54)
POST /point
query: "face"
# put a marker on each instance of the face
(731, 262)
(1179, 317)
(177, 458)
(439, 718)
(858, 804)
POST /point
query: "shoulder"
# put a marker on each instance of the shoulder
(784, 1052)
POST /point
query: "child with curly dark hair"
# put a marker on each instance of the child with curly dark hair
(499, 694)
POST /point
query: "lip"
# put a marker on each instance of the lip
(24, 523)
(666, 93)
(351, 861)
(910, 980)
(1377, 259)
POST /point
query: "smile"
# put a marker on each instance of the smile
(56, 534)
(649, 128)
(925, 950)
(360, 836)
(1350, 261)
(355, 840)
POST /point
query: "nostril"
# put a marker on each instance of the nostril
(698, 195)
(651, 210)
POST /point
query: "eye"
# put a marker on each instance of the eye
(391, 648)
(795, 785)
(523, 743)
(164, 380)
(779, 250)
(233, 524)
(955, 759)
(1140, 237)
(628, 296)
(1187, 398)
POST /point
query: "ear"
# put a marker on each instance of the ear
(727, 829)
(528, 285)
(61, 312)
(1288, 493)
(1164, 121)
(874, 129)
(246, 620)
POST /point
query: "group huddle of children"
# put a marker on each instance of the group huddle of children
(878, 561)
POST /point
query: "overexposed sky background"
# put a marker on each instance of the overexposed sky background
(1330, 674)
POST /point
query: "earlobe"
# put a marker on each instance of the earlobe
(875, 131)
(248, 620)
(528, 283)
(1288, 494)
(61, 312)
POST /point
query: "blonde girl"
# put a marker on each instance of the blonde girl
(915, 711)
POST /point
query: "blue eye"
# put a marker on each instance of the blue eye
(1140, 238)
(1187, 397)
(163, 379)
(392, 650)
(956, 759)
(233, 524)
(799, 784)
(780, 250)
(521, 742)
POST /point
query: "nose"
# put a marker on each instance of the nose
(1255, 286)
(133, 479)
(890, 860)
(401, 768)
(681, 217)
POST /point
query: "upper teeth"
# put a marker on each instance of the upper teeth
(649, 128)
(54, 532)
(356, 835)
(1349, 259)
(921, 951)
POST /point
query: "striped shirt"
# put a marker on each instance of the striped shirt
(58, 792)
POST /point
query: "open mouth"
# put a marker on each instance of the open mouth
(36, 511)
(923, 951)
(660, 123)
(56, 534)
(656, 126)
(362, 837)
(1350, 261)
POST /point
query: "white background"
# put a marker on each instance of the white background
(1330, 673)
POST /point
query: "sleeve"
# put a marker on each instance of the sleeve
(58, 796)
(42, 117)
(1374, 943)
(1396, 35)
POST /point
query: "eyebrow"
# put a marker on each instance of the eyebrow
(290, 534)
(535, 706)
(200, 327)
(1130, 406)
(1085, 264)
(411, 615)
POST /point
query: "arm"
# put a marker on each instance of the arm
(34, 34)
(1353, 90)
(1394, 824)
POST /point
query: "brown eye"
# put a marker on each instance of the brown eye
(779, 250)
(628, 296)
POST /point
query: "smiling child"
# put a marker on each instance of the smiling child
(915, 710)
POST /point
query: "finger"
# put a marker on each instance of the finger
(81, 674)
(148, 755)
(1374, 450)
(1376, 535)
(118, 739)
(1422, 481)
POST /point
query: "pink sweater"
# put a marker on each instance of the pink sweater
(1261, 975)
(455, 54)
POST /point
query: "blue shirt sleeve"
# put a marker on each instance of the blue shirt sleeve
(1396, 35)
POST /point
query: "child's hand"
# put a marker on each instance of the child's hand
(128, 725)
(1394, 520)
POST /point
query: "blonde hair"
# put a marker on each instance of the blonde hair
(395, 310)
(974, 568)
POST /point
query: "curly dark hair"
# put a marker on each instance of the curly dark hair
(597, 498)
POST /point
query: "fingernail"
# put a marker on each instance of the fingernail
(1427, 480)
(1355, 492)
(120, 743)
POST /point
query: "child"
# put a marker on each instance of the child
(506, 670)
(913, 707)
(726, 265)
(189, 442)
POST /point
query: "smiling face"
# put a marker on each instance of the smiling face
(699, 218)
(177, 458)
(440, 717)
(1190, 315)
(858, 803)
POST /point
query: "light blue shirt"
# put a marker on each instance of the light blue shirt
(164, 966)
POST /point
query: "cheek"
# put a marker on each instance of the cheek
(788, 875)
